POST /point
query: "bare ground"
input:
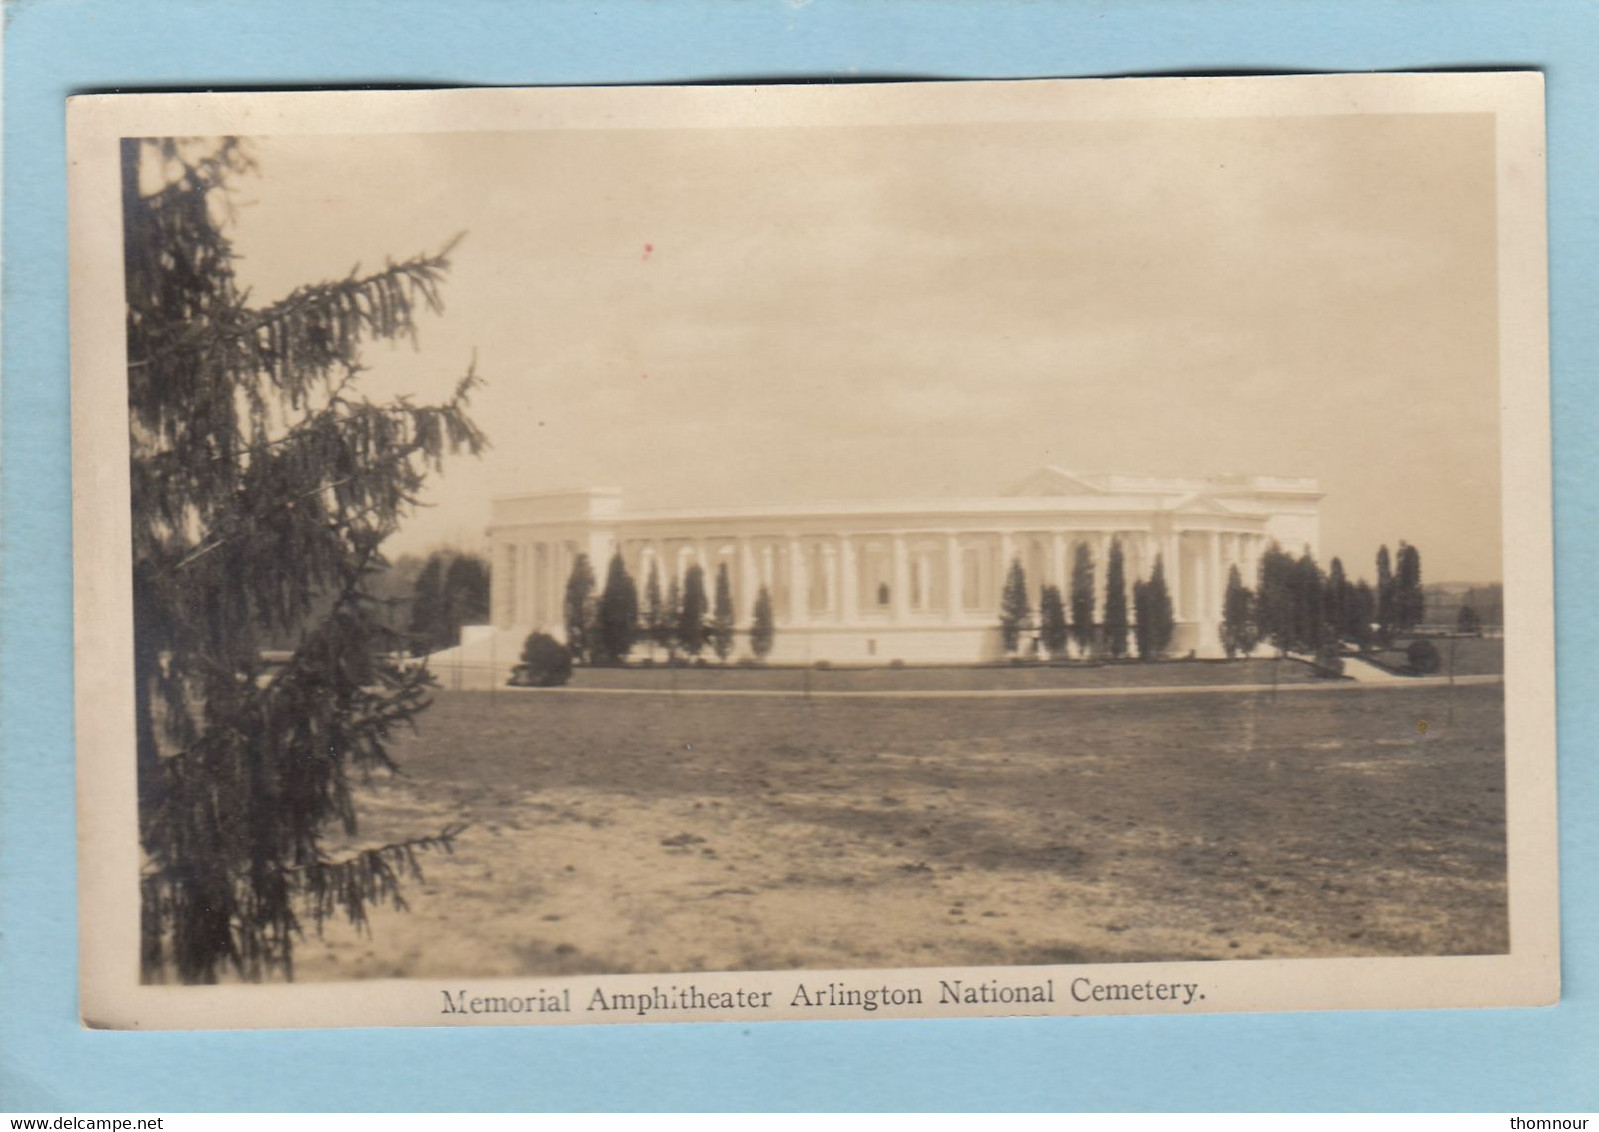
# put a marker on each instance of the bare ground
(686, 833)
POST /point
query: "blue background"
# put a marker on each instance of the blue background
(1471, 1060)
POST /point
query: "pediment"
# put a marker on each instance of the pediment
(1201, 504)
(1055, 481)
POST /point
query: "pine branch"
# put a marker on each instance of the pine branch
(467, 436)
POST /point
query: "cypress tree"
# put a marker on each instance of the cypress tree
(1142, 620)
(1362, 612)
(263, 486)
(1238, 632)
(722, 615)
(654, 610)
(691, 617)
(618, 614)
(1014, 610)
(1335, 600)
(1115, 602)
(1385, 597)
(1276, 600)
(1409, 599)
(763, 630)
(1052, 630)
(1309, 628)
(1082, 598)
(1162, 621)
(578, 609)
(673, 613)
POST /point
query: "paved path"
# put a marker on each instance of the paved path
(1028, 693)
(1364, 671)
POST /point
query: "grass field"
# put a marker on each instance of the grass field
(667, 833)
(951, 678)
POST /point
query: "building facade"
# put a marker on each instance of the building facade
(911, 580)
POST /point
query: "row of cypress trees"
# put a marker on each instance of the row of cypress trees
(1151, 626)
(1297, 607)
(605, 626)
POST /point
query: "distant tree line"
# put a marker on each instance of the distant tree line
(451, 590)
(420, 601)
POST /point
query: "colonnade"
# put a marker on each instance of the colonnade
(921, 576)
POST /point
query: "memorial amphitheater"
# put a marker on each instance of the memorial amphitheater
(911, 580)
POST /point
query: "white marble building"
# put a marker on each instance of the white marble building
(917, 580)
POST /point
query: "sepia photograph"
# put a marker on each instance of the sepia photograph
(867, 551)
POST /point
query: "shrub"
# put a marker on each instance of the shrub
(1423, 657)
(1329, 661)
(546, 663)
(896, 663)
(822, 665)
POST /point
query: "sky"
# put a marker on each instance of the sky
(736, 316)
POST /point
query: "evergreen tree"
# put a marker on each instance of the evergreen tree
(1115, 602)
(654, 610)
(1276, 600)
(763, 630)
(722, 615)
(1335, 600)
(1309, 628)
(1467, 621)
(673, 614)
(1052, 629)
(691, 617)
(1142, 620)
(1162, 620)
(1014, 610)
(427, 605)
(1386, 617)
(1238, 632)
(466, 595)
(393, 587)
(1362, 612)
(1409, 600)
(579, 609)
(1082, 598)
(617, 621)
(263, 486)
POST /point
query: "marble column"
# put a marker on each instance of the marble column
(849, 578)
(748, 582)
(954, 579)
(1174, 573)
(797, 605)
(899, 595)
(1101, 572)
(529, 600)
(1218, 580)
